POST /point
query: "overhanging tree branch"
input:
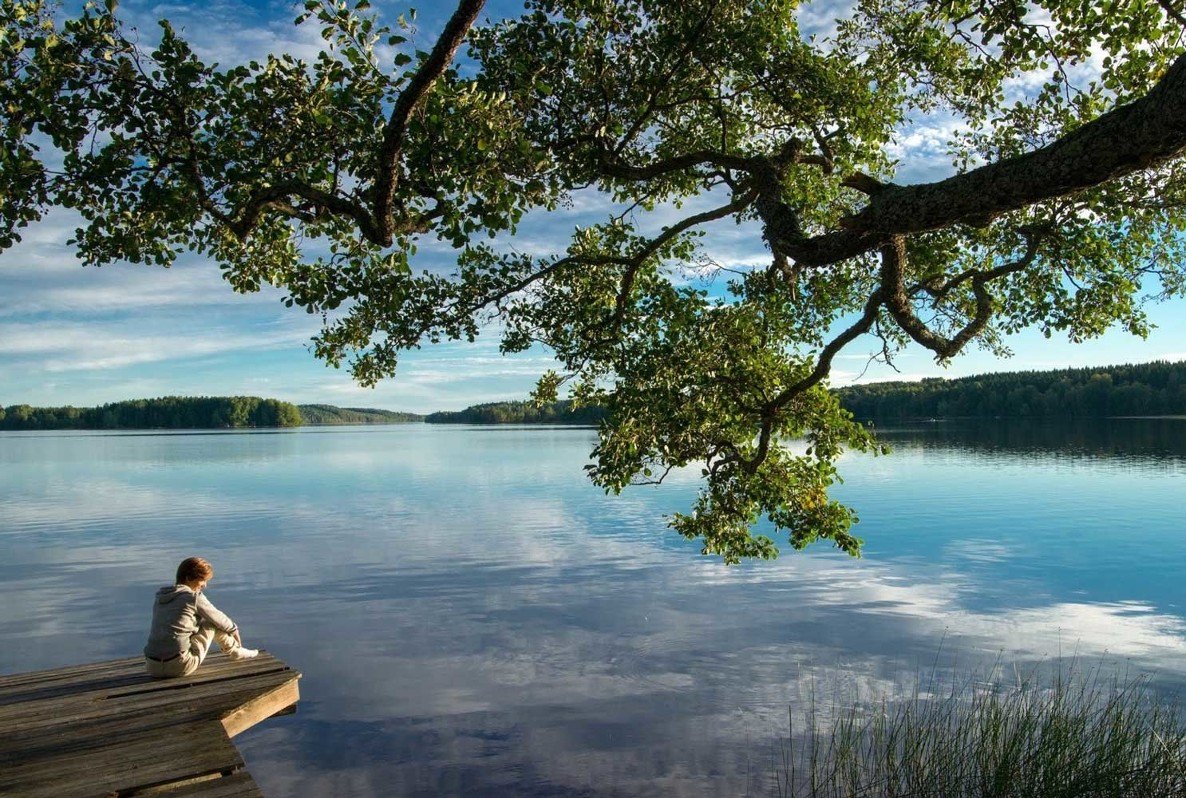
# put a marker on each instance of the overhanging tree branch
(897, 298)
(638, 259)
(394, 132)
(1172, 12)
(1140, 135)
(823, 367)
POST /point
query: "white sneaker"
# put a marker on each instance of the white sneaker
(243, 653)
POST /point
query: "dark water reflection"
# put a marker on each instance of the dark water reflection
(1157, 441)
(473, 618)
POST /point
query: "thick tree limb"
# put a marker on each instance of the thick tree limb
(897, 299)
(387, 168)
(1131, 138)
(248, 216)
(614, 167)
(866, 184)
(1172, 12)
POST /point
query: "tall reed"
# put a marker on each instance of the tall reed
(1055, 736)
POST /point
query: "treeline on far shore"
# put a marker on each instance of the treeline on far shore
(1146, 389)
(322, 415)
(561, 412)
(190, 412)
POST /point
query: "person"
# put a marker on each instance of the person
(184, 623)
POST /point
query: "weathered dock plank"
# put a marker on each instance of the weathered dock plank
(119, 766)
(176, 693)
(109, 729)
(127, 676)
(236, 785)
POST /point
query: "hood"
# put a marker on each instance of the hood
(170, 592)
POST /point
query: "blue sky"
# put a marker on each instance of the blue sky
(74, 335)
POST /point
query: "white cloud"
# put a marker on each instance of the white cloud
(229, 32)
(818, 17)
(41, 275)
(70, 346)
(125, 288)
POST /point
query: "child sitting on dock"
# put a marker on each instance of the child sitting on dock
(184, 623)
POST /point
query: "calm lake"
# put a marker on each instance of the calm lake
(473, 617)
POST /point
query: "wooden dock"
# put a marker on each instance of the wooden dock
(107, 729)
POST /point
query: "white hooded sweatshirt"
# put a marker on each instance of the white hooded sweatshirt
(177, 613)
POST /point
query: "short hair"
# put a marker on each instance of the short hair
(194, 568)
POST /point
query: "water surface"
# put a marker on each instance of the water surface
(472, 617)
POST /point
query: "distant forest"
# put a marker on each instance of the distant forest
(169, 412)
(320, 415)
(1148, 389)
(185, 412)
(561, 412)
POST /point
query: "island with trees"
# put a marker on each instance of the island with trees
(189, 412)
(168, 412)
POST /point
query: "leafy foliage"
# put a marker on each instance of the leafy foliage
(1064, 213)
